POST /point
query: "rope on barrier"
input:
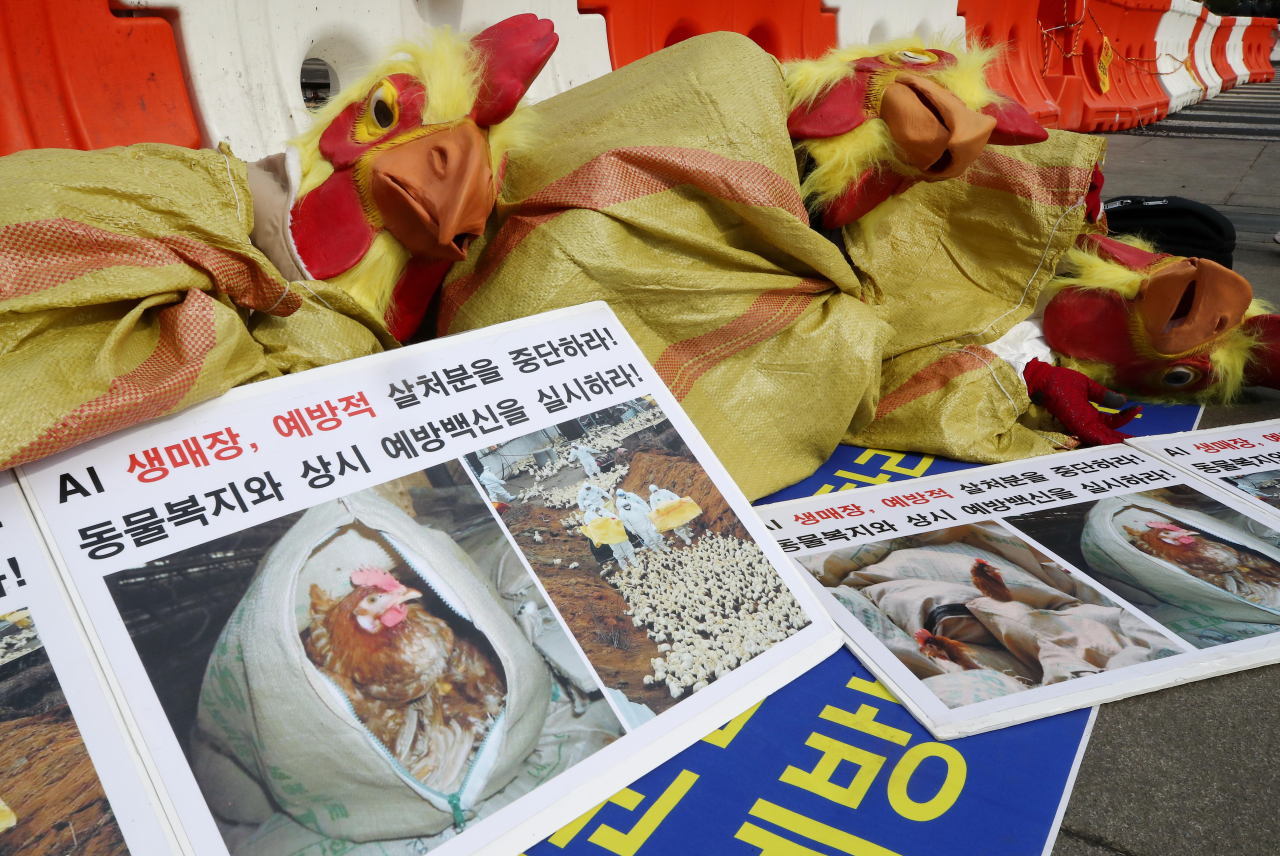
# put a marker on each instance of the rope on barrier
(1184, 63)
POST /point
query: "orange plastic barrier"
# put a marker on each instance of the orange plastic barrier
(1137, 55)
(1218, 51)
(1126, 55)
(788, 30)
(1019, 72)
(78, 74)
(1100, 62)
(1259, 40)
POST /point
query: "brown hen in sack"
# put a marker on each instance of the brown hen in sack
(426, 693)
(277, 733)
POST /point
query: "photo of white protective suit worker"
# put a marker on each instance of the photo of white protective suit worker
(495, 487)
(977, 613)
(585, 456)
(655, 576)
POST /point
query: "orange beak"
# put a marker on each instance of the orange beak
(1190, 303)
(435, 192)
(934, 131)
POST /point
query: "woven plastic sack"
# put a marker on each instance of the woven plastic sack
(567, 738)
(271, 730)
(911, 603)
(952, 563)
(130, 289)
(671, 191)
(894, 637)
(1069, 643)
(1107, 549)
(671, 515)
(957, 689)
(831, 569)
(959, 263)
(990, 537)
(1203, 631)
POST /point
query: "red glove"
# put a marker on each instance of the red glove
(1066, 394)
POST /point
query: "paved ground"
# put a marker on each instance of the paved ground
(1192, 771)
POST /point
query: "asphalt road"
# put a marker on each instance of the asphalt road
(1190, 771)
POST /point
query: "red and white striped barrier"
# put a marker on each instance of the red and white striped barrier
(1259, 47)
(1202, 50)
(1175, 62)
(1088, 65)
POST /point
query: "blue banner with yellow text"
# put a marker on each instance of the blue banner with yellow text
(854, 466)
(831, 764)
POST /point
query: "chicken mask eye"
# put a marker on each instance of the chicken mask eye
(1179, 377)
(380, 114)
(913, 58)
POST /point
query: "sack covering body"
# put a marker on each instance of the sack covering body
(129, 289)
(670, 189)
(1107, 548)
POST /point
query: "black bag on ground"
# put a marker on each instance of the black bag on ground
(1175, 225)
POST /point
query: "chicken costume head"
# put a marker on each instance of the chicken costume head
(875, 120)
(1161, 326)
(401, 169)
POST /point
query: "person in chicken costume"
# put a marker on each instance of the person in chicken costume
(1161, 326)
(140, 280)
(681, 189)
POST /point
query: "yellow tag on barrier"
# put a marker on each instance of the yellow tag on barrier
(1104, 65)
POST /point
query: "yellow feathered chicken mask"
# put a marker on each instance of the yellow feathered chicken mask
(401, 170)
(1162, 326)
(875, 120)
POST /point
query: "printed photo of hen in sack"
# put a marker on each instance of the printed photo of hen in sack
(654, 574)
(1204, 571)
(977, 613)
(370, 676)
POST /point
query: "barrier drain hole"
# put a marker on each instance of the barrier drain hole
(319, 83)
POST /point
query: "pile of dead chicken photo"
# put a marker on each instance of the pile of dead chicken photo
(654, 574)
(379, 669)
(51, 801)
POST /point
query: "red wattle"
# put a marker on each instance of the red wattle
(860, 197)
(1264, 365)
(393, 615)
(412, 295)
(1015, 126)
(329, 227)
(1093, 198)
